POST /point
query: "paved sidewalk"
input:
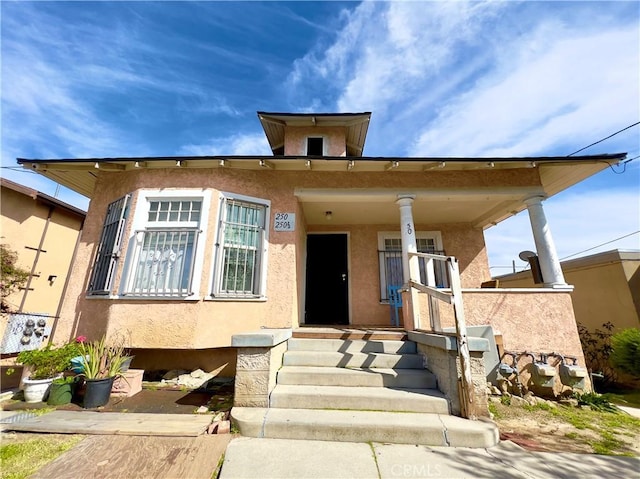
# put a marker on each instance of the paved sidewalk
(253, 458)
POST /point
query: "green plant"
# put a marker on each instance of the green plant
(12, 278)
(101, 360)
(626, 351)
(506, 400)
(595, 401)
(597, 348)
(49, 361)
(65, 380)
(22, 458)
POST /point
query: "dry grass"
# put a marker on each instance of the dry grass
(22, 454)
(569, 429)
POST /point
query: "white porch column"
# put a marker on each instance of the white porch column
(547, 254)
(410, 266)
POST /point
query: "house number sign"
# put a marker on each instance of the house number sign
(285, 222)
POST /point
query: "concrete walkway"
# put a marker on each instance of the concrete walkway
(253, 458)
(260, 458)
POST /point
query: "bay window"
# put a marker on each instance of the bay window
(165, 248)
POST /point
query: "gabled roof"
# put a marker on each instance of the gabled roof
(42, 197)
(356, 125)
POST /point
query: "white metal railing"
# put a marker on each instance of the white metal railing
(163, 263)
(452, 296)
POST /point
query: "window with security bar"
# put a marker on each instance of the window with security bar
(241, 244)
(164, 257)
(390, 260)
(108, 254)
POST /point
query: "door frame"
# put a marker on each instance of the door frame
(304, 276)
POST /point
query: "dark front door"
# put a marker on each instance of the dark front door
(327, 282)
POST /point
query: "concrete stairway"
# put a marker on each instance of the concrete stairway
(360, 391)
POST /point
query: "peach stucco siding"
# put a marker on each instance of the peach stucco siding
(201, 323)
(334, 139)
(606, 289)
(528, 321)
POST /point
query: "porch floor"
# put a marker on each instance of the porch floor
(350, 332)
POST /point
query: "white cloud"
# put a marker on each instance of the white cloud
(251, 144)
(503, 79)
(561, 93)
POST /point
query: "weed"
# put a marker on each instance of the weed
(218, 470)
(234, 428)
(506, 400)
(493, 409)
(596, 401)
(571, 435)
(541, 406)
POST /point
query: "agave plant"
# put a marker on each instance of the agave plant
(101, 360)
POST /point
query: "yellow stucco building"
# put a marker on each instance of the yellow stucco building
(44, 232)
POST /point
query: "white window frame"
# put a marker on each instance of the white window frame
(218, 267)
(324, 144)
(436, 236)
(140, 223)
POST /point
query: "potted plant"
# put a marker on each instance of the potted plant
(62, 389)
(101, 364)
(46, 364)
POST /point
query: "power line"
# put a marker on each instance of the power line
(612, 241)
(600, 141)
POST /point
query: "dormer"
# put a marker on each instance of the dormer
(315, 134)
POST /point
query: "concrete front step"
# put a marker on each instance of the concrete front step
(365, 426)
(352, 346)
(352, 360)
(358, 398)
(367, 377)
(347, 333)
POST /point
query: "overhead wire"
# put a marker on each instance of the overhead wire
(606, 138)
(602, 244)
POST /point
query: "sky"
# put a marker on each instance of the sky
(441, 78)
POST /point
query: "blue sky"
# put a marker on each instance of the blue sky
(97, 79)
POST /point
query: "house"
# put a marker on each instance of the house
(184, 254)
(43, 232)
(606, 288)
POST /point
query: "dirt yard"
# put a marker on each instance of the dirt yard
(568, 429)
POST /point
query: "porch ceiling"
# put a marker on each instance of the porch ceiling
(479, 207)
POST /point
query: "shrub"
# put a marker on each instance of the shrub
(12, 277)
(48, 362)
(595, 401)
(596, 346)
(625, 355)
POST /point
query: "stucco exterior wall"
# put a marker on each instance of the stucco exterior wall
(534, 322)
(607, 291)
(462, 241)
(201, 323)
(22, 225)
(219, 361)
(335, 140)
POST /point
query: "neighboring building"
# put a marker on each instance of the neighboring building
(43, 231)
(606, 288)
(181, 253)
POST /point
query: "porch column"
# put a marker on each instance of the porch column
(547, 254)
(410, 266)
